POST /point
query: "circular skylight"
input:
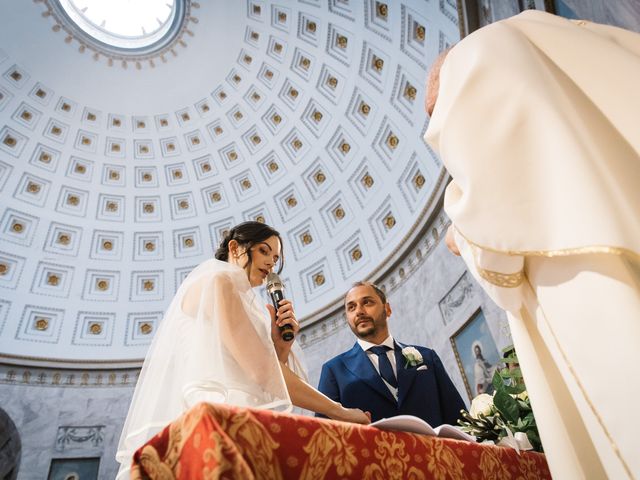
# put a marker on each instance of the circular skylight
(130, 25)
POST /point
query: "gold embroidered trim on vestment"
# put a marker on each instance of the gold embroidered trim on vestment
(505, 280)
(620, 251)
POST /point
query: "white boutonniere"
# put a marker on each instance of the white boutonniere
(412, 356)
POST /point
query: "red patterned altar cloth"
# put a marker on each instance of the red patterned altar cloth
(213, 441)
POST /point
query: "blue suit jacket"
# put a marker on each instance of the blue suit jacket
(351, 379)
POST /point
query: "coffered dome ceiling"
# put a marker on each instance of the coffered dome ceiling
(119, 174)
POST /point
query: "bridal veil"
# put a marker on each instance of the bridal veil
(214, 344)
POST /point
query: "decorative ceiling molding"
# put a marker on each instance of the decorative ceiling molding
(163, 50)
(107, 206)
(388, 265)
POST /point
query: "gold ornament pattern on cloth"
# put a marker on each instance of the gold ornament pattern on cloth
(329, 445)
(252, 436)
(215, 441)
(179, 431)
(153, 466)
(493, 467)
(528, 469)
(442, 461)
(224, 458)
(391, 453)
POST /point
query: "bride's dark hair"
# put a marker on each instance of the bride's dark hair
(247, 234)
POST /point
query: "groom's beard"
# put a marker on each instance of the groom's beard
(367, 327)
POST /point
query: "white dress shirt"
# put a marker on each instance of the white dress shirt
(388, 342)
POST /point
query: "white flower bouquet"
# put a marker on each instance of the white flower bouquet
(506, 417)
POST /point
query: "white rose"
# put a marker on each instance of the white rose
(482, 404)
(412, 355)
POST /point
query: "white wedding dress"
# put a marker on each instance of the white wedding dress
(214, 344)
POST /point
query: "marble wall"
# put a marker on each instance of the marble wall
(57, 422)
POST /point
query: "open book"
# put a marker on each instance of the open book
(409, 423)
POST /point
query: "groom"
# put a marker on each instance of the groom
(383, 376)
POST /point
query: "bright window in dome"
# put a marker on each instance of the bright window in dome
(127, 24)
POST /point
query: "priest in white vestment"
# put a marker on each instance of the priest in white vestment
(537, 119)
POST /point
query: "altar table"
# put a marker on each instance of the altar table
(213, 441)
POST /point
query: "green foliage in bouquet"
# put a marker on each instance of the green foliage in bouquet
(490, 418)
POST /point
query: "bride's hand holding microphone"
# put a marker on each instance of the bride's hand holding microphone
(284, 326)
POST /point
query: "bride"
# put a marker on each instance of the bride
(217, 344)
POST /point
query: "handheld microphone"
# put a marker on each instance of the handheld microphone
(275, 288)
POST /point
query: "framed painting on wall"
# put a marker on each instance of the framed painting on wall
(74, 468)
(476, 353)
